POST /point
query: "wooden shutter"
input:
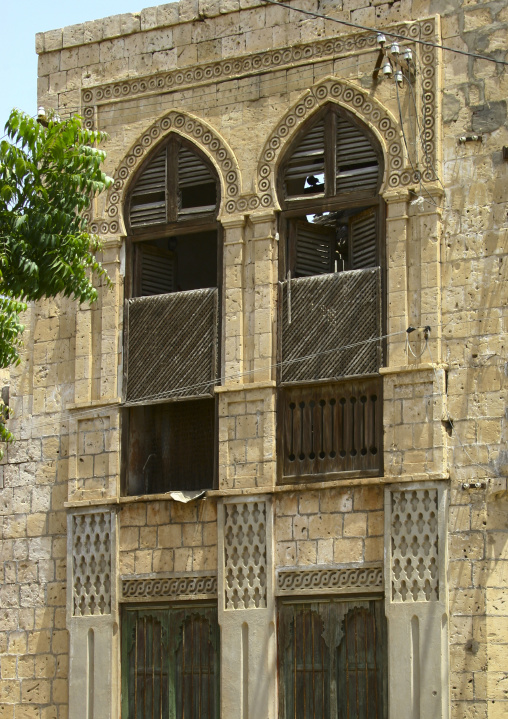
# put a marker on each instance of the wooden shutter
(363, 243)
(157, 271)
(171, 345)
(196, 663)
(332, 660)
(196, 184)
(148, 199)
(145, 664)
(308, 159)
(331, 428)
(170, 663)
(314, 249)
(357, 162)
(304, 663)
(335, 323)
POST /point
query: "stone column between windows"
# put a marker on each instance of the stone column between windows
(97, 328)
(261, 297)
(247, 608)
(413, 277)
(233, 299)
(416, 600)
(92, 614)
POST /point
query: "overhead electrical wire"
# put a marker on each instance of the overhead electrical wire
(358, 26)
(76, 414)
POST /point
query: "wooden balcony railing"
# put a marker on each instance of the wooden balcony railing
(331, 429)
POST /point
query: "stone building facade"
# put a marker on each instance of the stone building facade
(354, 472)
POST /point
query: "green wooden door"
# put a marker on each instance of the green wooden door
(170, 663)
(332, 660)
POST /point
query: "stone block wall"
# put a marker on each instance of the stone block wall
(331, 526)
(167, 536)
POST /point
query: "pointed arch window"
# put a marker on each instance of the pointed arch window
(172, 318)
(334, 157)
(331, 299)
(175, 185)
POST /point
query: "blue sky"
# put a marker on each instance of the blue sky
(20, 21)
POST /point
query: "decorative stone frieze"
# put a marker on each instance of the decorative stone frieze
(244, 66)
(169, 587)
(330, 580)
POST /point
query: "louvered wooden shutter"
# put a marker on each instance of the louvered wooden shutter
(363, 240)
(148, 200)
(308, 159)
(157, 271)
(314, 249)
(357, 162)
(194, 174)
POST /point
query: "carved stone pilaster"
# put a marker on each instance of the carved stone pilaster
(416, 600)
(92, 613)
(247, 608)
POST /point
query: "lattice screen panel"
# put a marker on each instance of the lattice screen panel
(91, 564)
(415, 546)
(245, 555)
(329, 312)
(172, 345)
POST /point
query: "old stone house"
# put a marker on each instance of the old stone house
(265, 474)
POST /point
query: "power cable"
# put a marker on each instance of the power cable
(387, 32)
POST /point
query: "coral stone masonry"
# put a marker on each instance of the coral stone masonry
(264, 475)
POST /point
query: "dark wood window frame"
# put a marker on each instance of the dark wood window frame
(175, 226)
(174, 219)
(294, 209)
(326, 200)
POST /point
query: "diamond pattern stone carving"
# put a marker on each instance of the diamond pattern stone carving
(414, 546)
(245, 555)
(91, 564)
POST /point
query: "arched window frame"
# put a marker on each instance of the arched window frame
(174, 223)
(328, 200)
(316, 441)
(172, 413)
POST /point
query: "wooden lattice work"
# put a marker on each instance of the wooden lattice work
(331, 428)
(330, 326)
(172, 345)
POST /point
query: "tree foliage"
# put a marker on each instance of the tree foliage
(49, 175)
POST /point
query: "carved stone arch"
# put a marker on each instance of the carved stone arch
(197, 131)
(353, 98)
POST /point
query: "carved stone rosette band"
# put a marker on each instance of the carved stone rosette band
(242, 66)
(169, 587)
(337, 580)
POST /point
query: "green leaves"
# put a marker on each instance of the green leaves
(48, 176)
